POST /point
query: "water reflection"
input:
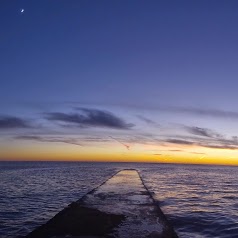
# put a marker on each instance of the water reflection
(201, 201)
(196, 198)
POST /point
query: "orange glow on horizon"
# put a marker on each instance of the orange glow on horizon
(116, 153)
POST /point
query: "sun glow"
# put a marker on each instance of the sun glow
(113, 152)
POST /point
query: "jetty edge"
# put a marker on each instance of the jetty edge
(122, 207)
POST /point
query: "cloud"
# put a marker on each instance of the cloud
(147, 120)
(172, 150)
(180, 142)
(203, 112)
(235, 139)
(90, 118)
(199, 131)
(49, 139)
(95, 139)
(216, 113)
(176, 150)
(220, 143)
(8, 122)
(223, 147)
(203, 132)
(197, 153)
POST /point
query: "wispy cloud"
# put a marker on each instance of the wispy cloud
(89, 118)
(49, 139)
(180, 142)
(209, 112)
(197, 153)
(171, 150)
(147, 120)
(175, 150)
(224, 147)
(95, 139)
(213, 143)
(203, 132)
(9, 122)
(202, 112)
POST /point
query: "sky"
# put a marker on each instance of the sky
(143, 81)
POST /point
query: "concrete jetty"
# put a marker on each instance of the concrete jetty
(121, 207)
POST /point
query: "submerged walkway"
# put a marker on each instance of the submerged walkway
(121, 207)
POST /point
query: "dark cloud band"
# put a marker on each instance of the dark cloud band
(7, 122)
(89, 118)
(203, 132)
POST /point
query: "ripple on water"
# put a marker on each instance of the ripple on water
(200, 201)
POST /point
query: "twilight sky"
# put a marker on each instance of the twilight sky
(119, 80)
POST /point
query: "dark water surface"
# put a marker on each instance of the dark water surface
(200, 201)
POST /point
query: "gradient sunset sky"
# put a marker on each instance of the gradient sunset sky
(119, 80)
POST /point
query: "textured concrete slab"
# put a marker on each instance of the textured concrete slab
(121, 207)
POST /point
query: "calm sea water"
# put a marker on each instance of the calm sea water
(199, 201)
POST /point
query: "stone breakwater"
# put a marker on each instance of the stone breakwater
(120, 207)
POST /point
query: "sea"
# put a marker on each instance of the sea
(200, 201)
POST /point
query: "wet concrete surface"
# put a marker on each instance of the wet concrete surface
(121, 207)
